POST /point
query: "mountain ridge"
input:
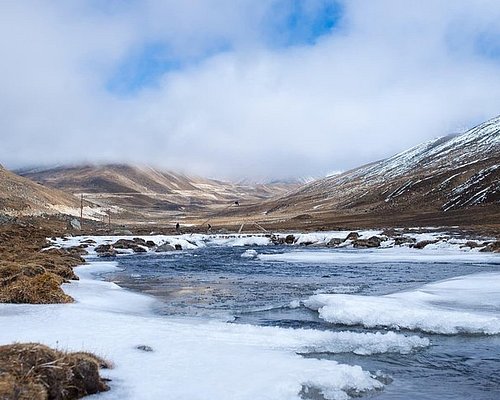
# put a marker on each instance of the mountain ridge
(456, 173)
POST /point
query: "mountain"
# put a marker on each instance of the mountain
(20, 196)
(449, 180)
(145, 193)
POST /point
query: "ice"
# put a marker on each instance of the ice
(249, 254)
(193, 358)
(468, 304)
(238, 241)
(193, 241)
(431, 255)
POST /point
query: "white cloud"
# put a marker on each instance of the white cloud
(393, 74)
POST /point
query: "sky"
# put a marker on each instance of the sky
(231, 89)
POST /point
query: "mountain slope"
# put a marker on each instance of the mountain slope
(453, 178)
(148, 193)
(21, 196)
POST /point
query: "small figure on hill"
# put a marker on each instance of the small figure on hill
(209, 228)
(178, 227)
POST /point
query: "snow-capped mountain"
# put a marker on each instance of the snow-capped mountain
(449, 173)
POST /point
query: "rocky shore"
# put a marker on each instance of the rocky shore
(31, 273)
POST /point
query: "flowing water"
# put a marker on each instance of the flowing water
(233, 284)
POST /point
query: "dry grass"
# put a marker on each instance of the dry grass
(27, 273)
(36, 372)
(43, 288)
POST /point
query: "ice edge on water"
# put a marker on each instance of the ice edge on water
(194, 359)
(468, 304)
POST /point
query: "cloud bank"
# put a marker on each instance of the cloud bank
(228, 89)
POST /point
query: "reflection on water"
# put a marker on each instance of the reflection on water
(217, 282)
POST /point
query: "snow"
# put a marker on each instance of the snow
(468, 304)
(445, 243)
(193, 358)
(249, 254)
(435, 254)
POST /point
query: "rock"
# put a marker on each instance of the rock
(136, 245)
(164, 248)
(150, 244)
(124, 244)
(352, 236)
(390, 232)
(103, 247)
(143, 347)
(178, 247)
(79, 250)
(290, 239)
(74, 224)
(400, 240)
(471, 244)
(277, 240)
(423, 243)
(105, 250)
(493, 247)
(334, 242)
(139, 241)
(374, 241)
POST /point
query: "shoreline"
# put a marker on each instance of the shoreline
(112, 322)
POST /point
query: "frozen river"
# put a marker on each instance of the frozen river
(347, 290)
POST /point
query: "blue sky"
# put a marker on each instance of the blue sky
(241, 89)
(286, 23)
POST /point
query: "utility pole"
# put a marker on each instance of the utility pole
(81, 211)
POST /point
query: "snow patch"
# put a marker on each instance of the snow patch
(468, 304)
(193, 359)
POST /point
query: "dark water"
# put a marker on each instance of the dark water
(216, 282)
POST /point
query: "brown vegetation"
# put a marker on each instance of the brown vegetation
(36, 372)
(28, 274)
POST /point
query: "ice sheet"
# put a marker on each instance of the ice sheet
(396, 254)
(468, 304)
(193, 359)
(443, 241)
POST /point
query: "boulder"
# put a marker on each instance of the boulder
(471, 244)
(400, 240)
(290, 239)
(374, 241)
(334, 242)
(277, 239)
(139, 241)
(137, 246)
(74, 224)
(178, 247)
(164, 248)
(423, 243)
(493, 247)
(352, 236)
(105, 250)
(124, 244)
